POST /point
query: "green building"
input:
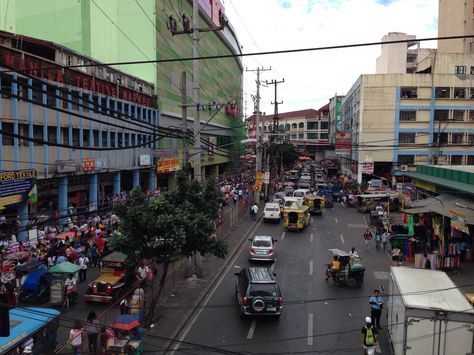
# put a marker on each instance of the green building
(114, 31)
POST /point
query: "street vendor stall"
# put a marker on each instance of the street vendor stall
(59, 295)
(128, 336)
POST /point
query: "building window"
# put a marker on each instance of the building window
(459, 93)
(406, 159)
(471, 93)
(38, 133)
(312, 125)
(406, 138)
(7, 128)
(441, 92)
(470, 160)
(470, 139)
(407, 115)
(287, 127)
(456, 159)
(443, 138)
(460, 70)
(312, 135)
(294, 126)
(293, 136)
(441, 115)
(301, 136)
(324, 136)
(324, 125)
(408, 93)
(471, 116)
(75, 137)
(472, 70)
(457, 138)
(410, 70)
(264, 128)
(51, 134)
(458, 115)
(411, 58)
(281, 128)
(301, 125)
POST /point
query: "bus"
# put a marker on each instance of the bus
(31, 326)
(367, 202)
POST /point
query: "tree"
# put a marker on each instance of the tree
(177, 223)
(286, 151)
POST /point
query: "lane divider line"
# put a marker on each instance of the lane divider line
(342, 239)
(311, 237)
(336, 220)
(252, 329)
(283, 236)
(311, 268)
(310, 329)
(273, 265)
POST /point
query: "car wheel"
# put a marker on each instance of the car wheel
(258, 304)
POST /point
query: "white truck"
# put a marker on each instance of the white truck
(428, 314)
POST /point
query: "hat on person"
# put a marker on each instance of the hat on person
(368, 320)
(28, 350)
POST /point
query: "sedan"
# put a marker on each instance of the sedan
(262, 248)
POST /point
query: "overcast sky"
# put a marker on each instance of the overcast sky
(311, 78)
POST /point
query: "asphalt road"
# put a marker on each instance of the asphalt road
(318, 316)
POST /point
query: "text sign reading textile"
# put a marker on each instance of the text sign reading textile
(16, 186)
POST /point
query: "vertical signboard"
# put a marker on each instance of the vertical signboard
(17, 187)
(343, 143)
(338, 111)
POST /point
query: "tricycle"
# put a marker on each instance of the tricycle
(63, 285)
(345, 267)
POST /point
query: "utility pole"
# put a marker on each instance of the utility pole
(185, 122)
(258, 132)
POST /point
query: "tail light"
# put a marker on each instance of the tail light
(270, 251)
(245, 300)
(280, 300)
(252, 250)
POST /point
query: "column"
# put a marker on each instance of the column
(151, 181)
(62, 200)
(93, 186)
(136, 178)
(117, 183)
(23, 214)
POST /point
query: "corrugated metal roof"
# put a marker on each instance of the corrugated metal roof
(451, 184)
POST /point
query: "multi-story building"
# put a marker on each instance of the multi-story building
(78, 133)
(129, 31)
(456, 18)
(399, 120)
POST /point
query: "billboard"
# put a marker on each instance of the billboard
(17, 187)
(338, 110)
(168, 165)
(343, 143)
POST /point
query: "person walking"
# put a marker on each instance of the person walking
(376, 305)
(255, 211)
(76, 335)
(369, 337)
(94, 255)
(367, 237)
(385, 237)
(83, 262)
(378, 240)
(396, 256)
(92, 329)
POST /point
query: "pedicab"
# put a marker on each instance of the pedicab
(36, 287)
(128, 336)
(349, 268)
(60, 295)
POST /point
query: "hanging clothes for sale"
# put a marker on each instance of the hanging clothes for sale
(411, 225)
(404, 218)
(422, 219)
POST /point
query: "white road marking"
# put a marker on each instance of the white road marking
(310, 329)
(342, 239)
(311, 237)
(365, 220)
(356, 225)
(252, 329)
(282, 235)
(336, 220)
(311, 268)
(381, 275)
(273, 265)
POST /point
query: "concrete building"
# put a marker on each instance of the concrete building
(456, 18)
(400, 57)
(128, 31)
(400, 120)
(77, 134)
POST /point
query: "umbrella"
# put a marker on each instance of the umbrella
(126, 322)
(65, 268)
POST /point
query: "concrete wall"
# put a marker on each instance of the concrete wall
(455, 18)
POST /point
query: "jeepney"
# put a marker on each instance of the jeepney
(296, 216)
(315, 203)
(110, 284)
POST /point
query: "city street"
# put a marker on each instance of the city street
(318, 315)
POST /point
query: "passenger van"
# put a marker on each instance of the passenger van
(271, 212)
(301, 194)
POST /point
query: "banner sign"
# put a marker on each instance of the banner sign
(88, 165)
(368, 168)
(259, 181)
(17, 187)
(458, 221)
(343, 143)
(168, 165)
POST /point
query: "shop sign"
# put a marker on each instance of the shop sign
(458, 221)
(145, 160)
(343, 143)
(100, 164)
(259, 181)
(168, 165)
(367, 168)
(88, 165)
(17, 187)
(425, 185)
(65, 166)
(266, 178)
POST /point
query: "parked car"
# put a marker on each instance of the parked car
(262, 248)
(271, 212)
(258, 292)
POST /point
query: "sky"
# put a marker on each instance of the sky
(311, 78)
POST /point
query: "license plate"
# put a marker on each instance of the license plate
(271, 309)
(260, 252)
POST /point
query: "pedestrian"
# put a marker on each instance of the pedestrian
(385, 237)
(255, 211)
(103, 340)
(251, 211)
(343, 201)
(142, 271)
(235, 198)
(426, 261)
(124, 308)
(376, 306)
(369, 337)
(83, 262)
(241, 193)
(378, 240)
(367, 237)
(396, 256)
(92, 329)
(75, 337)
(94, 252)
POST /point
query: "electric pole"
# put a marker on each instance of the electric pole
(184, 111)
(258, 132)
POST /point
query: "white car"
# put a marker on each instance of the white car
(271, 212)
(301, 194)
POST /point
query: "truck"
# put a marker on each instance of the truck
(428, 314)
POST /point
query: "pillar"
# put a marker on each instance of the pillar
(151, 180)
(62, 200)
(93, 190)
(136, 178)
(117, 183)
(23, 217)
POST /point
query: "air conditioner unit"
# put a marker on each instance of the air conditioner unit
(404, 168)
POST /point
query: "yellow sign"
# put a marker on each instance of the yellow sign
(167, 165)
(259, 181)
(425, 185)
(458, 221)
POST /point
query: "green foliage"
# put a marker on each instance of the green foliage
(287, 151)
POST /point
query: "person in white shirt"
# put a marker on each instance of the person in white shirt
(83, 262)
(70, 284)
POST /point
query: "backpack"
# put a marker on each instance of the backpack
(369, 336)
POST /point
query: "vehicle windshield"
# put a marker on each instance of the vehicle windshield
(262, 243)
(272, 208)
(263, 290)
(298, 194)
